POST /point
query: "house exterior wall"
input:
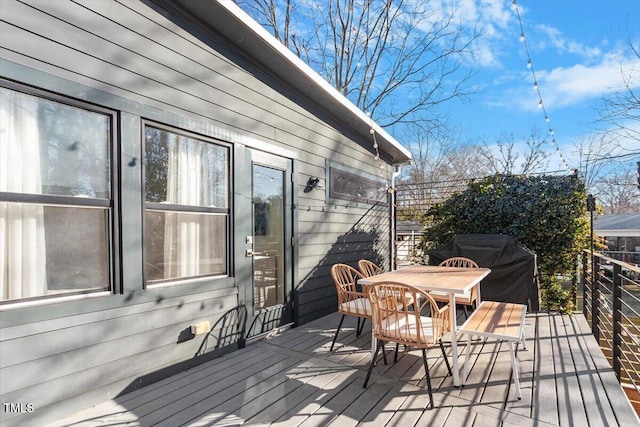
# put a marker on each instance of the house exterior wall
(622, 235)
(60, 355)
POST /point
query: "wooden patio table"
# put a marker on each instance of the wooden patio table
(452, 280)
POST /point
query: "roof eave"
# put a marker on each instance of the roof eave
(233, 23)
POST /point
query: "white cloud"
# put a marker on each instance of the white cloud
(554, 38)
(493, 17)
(565, 86)
(473, 13)
(497, 12)
(578, 84)
(484, 55)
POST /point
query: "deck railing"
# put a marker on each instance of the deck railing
(611, 304)
(630, 257)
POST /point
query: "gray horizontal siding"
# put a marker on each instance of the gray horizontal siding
(163, 66)
(70, 334)
(336, 236)
(142, 60)
(126, 56)
(104, 349)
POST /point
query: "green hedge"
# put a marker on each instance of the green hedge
(547, 214)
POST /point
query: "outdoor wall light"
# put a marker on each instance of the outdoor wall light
(312, 183)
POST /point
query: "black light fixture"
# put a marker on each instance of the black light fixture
(312, 183)
(591, 203)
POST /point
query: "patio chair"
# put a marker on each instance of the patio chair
(351, 302)
(368, 268)
(395, 320)
(470, 300)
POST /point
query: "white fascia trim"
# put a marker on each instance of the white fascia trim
(308, 71)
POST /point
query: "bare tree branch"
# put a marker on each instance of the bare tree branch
(394, 59)
(618, 193)
(621, 109)
(502, 157)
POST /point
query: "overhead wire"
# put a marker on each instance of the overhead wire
(536, 87)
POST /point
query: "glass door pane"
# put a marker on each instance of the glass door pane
(268, 237)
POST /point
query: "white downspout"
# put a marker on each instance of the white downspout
(392, 216)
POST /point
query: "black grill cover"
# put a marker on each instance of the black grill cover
(513, 276)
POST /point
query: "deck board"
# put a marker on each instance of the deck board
(291, 379)
(607, 377)
(217, 398)
(544, 402)
(497, 389)
(588, 378)
(482, 358)
(359, 408)
(526, 359)
(570, 405)
(320, 393)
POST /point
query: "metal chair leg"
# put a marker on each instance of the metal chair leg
(373, 362)
(426, 369)
(444, 355)
(336, 335)
(360, 326)
(384, 353)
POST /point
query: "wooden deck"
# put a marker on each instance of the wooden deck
(291, 379)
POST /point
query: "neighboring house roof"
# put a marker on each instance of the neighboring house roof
(228, 19)
(617, 225)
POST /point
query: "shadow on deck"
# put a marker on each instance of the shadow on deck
(291, 379)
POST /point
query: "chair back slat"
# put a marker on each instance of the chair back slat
(459, 262)
(397, 309)
(368, 268)
(350, 300)
(463, 262)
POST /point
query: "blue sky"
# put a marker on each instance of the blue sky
(577, 49)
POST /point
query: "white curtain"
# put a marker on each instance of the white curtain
(22, 238)
(188, 243)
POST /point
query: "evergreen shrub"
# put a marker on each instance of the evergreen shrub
(547, 214)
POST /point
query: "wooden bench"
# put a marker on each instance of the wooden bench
(500, 320)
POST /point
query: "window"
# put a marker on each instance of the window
(187, 206)
(55, 195)
(355, 186)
